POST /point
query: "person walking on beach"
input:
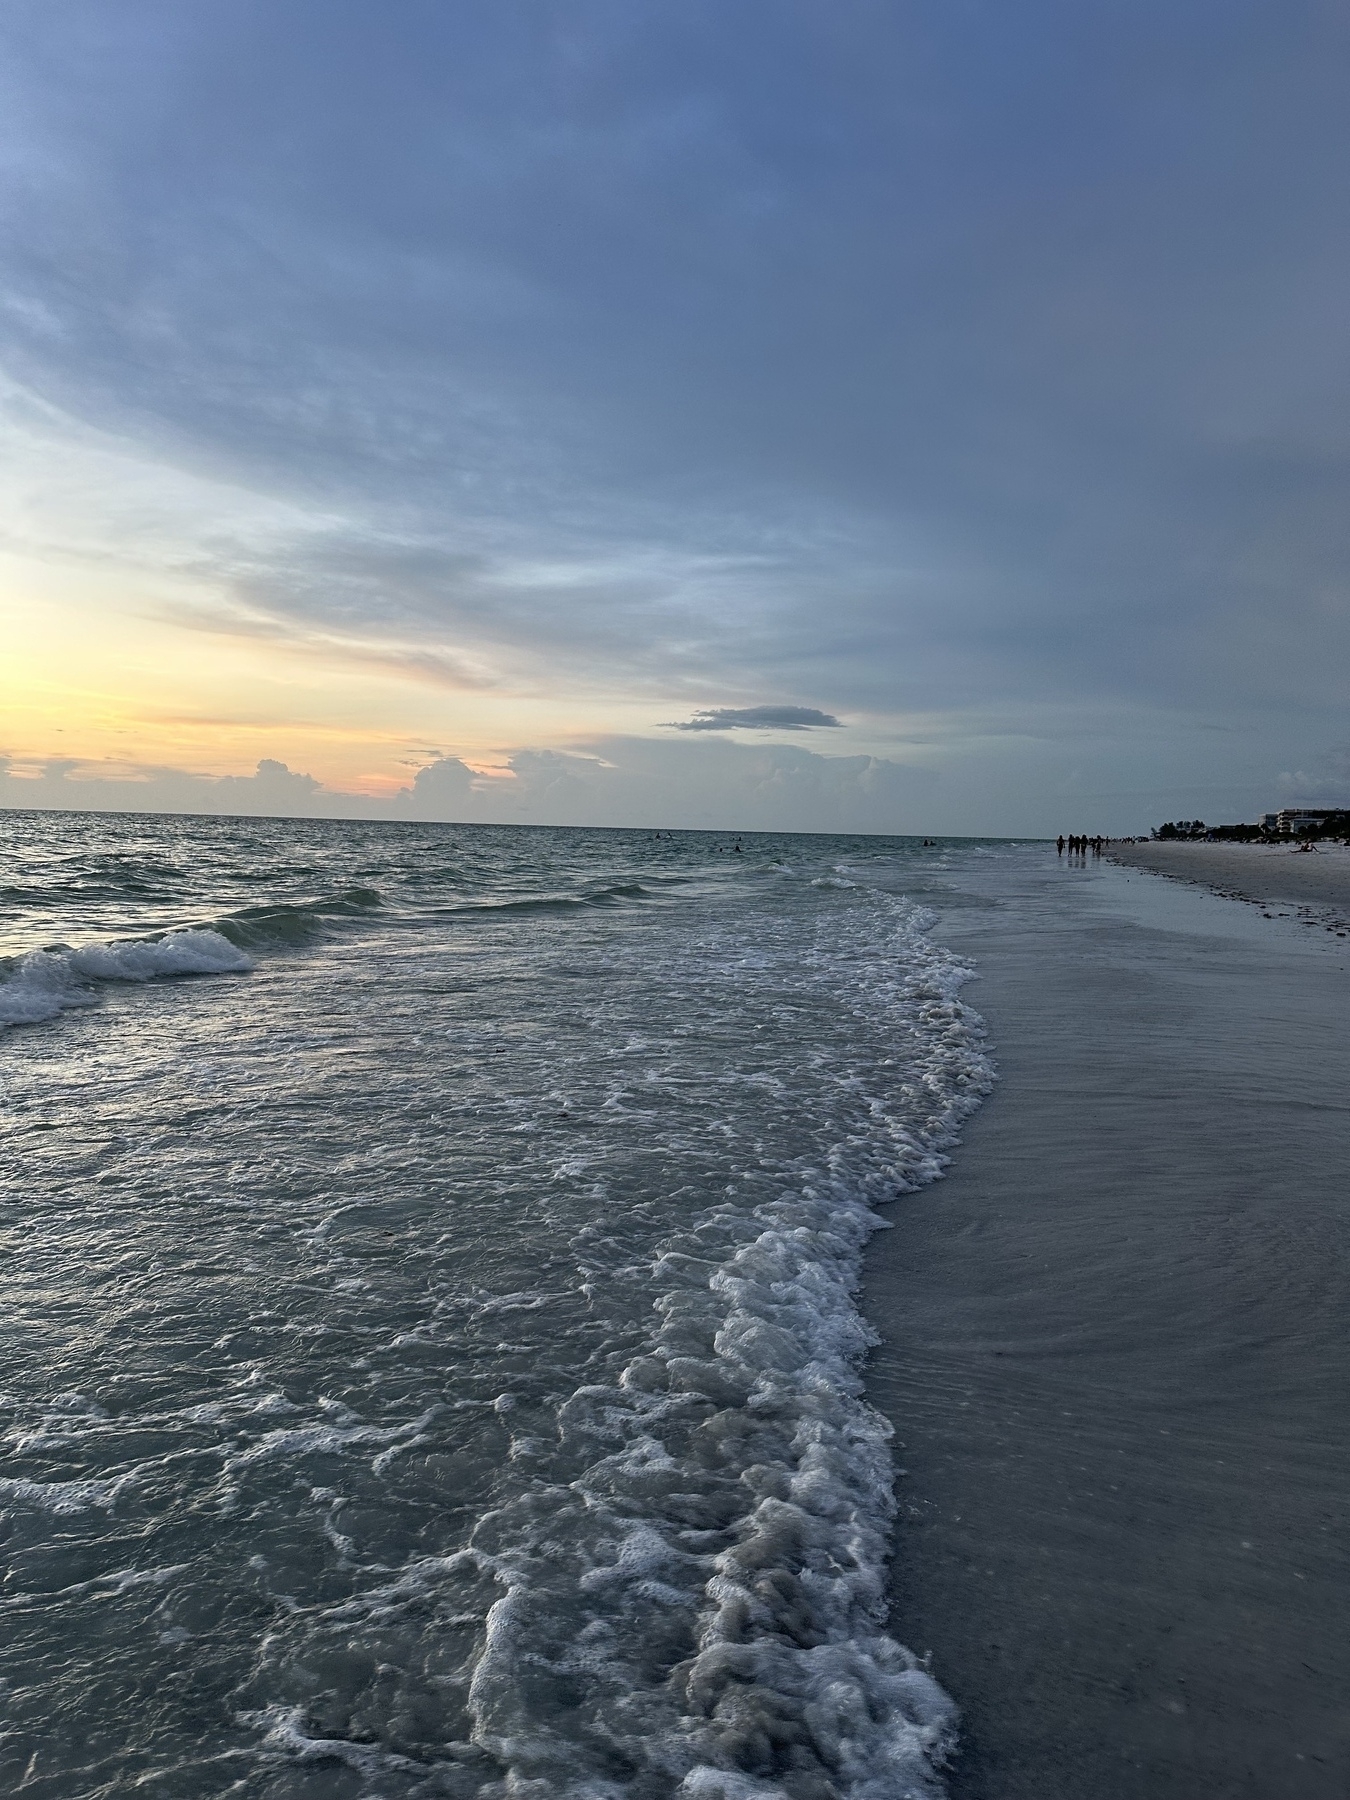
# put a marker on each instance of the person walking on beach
(1059, 843)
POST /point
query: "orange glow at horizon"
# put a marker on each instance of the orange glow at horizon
(90, 678)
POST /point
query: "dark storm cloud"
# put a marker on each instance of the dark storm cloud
(756, 718)
(936, 355)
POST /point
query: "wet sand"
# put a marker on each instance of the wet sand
(1317, 881)
(1114, 1349)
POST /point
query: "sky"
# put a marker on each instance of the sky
(872, 415)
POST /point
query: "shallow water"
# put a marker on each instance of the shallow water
(432, 1363)
(1114, 1345)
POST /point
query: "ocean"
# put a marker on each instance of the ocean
(433, 1363)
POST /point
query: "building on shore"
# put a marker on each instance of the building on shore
(1291, 820)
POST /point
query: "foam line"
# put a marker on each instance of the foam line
(44, 983)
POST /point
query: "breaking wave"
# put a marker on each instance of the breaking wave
(736, 1491)
(684, 1594)
(38, 986)
(490, 1281)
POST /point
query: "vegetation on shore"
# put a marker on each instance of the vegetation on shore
(1334, 825)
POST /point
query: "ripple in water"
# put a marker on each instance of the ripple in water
(433, 1364)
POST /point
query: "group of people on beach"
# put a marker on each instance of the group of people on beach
(1081, 846)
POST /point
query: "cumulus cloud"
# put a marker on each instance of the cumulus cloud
(709, 784)
(66, 784)
(756, 718)
(621, 356)
(1017, 783)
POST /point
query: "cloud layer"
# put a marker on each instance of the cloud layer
(961, 361)
(632, 782)
(717, 783)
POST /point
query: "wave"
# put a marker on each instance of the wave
(295, 923)
(672, 1583)
(38, 986)
(739, 1481)
(287, 923)
(617, 894)
(685, 1597)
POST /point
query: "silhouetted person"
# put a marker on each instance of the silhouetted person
(1059, 843)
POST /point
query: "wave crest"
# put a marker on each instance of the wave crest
(38, 986)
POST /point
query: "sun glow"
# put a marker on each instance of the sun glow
(97, 680)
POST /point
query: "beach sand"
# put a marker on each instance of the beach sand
(1317, 881)
(1113, 1348)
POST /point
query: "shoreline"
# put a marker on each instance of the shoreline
(1314, 884)
(1111, 1347)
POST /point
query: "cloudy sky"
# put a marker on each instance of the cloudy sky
(900, 414)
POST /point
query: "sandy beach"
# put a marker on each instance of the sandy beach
(1113, 1346)
(1315, 882)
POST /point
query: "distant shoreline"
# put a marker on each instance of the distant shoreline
(1315, 883)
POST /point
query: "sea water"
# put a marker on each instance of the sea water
(431, 1364)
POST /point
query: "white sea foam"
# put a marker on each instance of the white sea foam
(328, 1439)
(283, 1730)
(743, 1498)
(38, 986)
(534, 1467)
(66, 1497)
